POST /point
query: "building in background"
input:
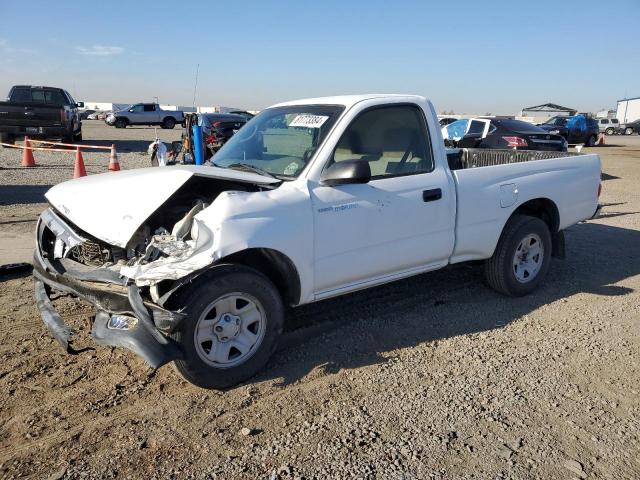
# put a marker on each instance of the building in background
(114, 107)
(628, 110)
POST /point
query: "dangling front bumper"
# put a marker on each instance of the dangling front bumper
(122, 318)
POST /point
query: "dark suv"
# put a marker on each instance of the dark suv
(575, 129)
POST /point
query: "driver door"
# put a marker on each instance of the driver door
(401, 222)
(136, 114)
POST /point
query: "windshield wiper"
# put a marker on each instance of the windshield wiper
(250, 168)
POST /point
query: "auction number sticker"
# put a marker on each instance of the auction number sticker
(308, 121)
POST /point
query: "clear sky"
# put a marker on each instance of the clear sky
(467, 56)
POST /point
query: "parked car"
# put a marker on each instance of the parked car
(633, 127)
(40, 112)
(248, 116)
(84, 114)
(310, 200)
(501, 133)
(577, 129)
(217, 128)
(103, 115)
(446, 121)
(145, 114)
(609, 126)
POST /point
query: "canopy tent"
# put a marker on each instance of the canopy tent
(549, 109)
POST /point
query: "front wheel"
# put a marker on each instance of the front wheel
(628, 131)
(234, 320)
(120, 123)
(609, 131)
(522, 257)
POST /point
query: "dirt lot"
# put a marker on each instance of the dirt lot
(432, 377)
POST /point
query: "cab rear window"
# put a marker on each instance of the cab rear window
(37, 95)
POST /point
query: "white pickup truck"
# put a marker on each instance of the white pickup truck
(309, 200)
(145, 114)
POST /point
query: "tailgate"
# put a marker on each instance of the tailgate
(23, 114)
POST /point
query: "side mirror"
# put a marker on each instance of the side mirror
(80, 104)
(346, 172)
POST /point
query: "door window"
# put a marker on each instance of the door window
(476, 127)
(149, 108)
(394, 140)
(137, 109)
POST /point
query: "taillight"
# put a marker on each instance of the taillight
(515, 141)
(211, 138)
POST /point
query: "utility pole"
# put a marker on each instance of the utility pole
(195, 86)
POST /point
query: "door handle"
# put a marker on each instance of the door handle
(431, 195)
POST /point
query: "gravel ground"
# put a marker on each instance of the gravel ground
(431, 377)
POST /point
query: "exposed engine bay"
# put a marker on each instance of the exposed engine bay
(165, 239)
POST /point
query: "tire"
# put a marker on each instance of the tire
(628, 131)
(120, 123)
(609, 131)
(500, 270)
(168, 123)
(591, 141)
(226, 292)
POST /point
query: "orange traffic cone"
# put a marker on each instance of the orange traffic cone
(114, 166)
(78, 168)
(27, 154)
(601, 139)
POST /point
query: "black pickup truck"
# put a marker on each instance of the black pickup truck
(40, 112)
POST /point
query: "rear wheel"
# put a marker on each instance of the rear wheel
(234, 320)
(609, 131)
(7, 138)
(591, 141)
(522, 257)
(628, 131)
(168, 123)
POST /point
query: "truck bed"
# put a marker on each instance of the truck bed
(490, 184)
(463, 158)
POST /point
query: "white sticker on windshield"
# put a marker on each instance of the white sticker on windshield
(309, 121)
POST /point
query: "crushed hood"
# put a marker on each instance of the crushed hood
(112, 206)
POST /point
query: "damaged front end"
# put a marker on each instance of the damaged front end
(132, 284)
(123, 318)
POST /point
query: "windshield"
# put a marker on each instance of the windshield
(280, 140)
(558, 121)
(455, 130)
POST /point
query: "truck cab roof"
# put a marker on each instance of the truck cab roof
(349, 100)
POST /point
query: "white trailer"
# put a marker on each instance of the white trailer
(628, 110)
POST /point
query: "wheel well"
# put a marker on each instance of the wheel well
(274, 265)
(542, 208)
